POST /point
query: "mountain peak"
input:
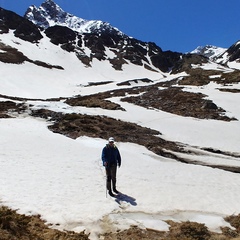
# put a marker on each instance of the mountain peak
(51, 7)
(50, 14)
(209, 51)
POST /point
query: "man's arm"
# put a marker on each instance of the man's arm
(119, 158)
(104, 160)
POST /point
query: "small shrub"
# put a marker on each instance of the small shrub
(228, 232)
(234, 221)
(189, 231)
(13, 222)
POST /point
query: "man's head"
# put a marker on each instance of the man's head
(111, 140)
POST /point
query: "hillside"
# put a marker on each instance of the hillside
(175, 117)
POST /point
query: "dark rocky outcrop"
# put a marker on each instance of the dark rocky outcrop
(11, 55)
(186, 61)
(234, 52)
(124, 48)
(24, 29)
(164, 61)
(60, 34)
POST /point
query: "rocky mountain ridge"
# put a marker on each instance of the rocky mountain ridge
(76, 34)
(50, 14)
(95, 39)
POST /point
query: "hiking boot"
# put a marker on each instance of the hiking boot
(110, 193)
(115, 190)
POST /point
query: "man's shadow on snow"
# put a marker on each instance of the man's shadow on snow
(121, 197)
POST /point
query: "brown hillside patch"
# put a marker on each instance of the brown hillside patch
(76, 125)
(14, 226)
(177, 231)
(7, 106)
(12, 55)
(171, 99)
(179, 102)
(234, 220)
(232, 77)
(232, 90)
(135, 233)
(94, 102)
(188, 231)
(200, 77)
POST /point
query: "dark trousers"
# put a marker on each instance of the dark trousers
(111, 173)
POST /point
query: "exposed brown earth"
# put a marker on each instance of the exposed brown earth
(177, 231)
(198, 77)
(7, 106)
(12, 55)
(229, 90)
(179, 102)
(170, 99)
(14, 226)
(94, 102)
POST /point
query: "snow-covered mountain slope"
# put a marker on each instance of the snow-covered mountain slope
(231, 57)
(56, 112)
(70, 76)
(212, 52)
(63, 180)
(228, 57)
(61, 54)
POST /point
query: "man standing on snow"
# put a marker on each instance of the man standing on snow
(111, 159)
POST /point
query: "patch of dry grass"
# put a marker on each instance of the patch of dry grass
(188, 231)
(178, 231)
(14, 226)
(7, 106)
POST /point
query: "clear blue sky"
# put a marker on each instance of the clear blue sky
(177, 25)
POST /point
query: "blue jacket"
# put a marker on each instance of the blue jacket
(111, 156)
